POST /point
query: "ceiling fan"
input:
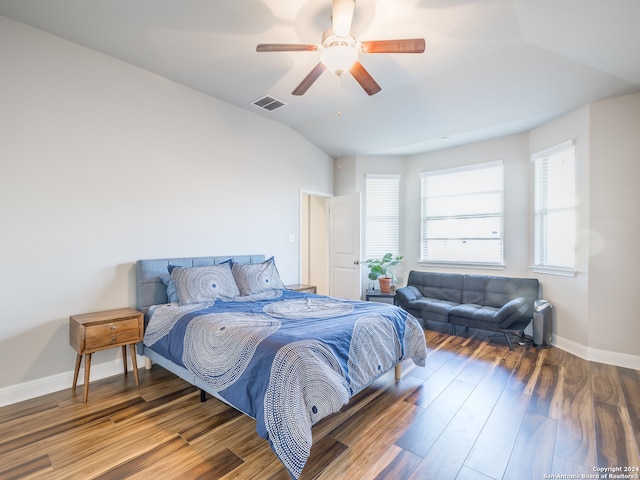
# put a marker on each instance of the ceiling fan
(339, 50)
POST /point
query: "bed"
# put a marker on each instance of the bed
(228, 325)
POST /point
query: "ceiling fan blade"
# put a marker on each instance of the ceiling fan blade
(412, 45)
(365, 80)
(285, 47)
(342, 16)
(309, 79)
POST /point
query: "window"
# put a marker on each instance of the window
(555, 208)
(462, 215)
(383, 212)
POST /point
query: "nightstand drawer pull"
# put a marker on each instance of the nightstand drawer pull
(113, 327)
(113, 339)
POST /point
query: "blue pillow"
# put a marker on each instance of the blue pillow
(172, 293)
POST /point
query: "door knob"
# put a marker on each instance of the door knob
(356, 262)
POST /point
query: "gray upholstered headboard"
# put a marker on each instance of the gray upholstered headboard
(151, 291)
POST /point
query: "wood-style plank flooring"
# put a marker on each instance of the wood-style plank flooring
(476, 411)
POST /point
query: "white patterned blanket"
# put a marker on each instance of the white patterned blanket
(287, 361)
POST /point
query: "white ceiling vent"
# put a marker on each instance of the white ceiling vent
(268, 103)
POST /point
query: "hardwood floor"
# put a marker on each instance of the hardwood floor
(476, 411)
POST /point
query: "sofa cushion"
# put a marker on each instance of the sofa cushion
(432, 308)
(512, 311)
(443, 286)
(407, 294)
(468, 313)
(497, 291)
(475, 312)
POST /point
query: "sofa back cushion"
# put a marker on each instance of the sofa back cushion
(443, 286)
(497, 291)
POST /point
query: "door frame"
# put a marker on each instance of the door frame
(312, 193)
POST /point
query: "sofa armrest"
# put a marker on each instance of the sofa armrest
(408, 294)
(512, 311)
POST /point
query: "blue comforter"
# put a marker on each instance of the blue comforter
(287, 359)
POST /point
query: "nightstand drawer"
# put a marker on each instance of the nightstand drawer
(108, 334)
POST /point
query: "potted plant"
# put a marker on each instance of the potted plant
(380, 269)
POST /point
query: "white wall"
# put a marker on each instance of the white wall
(595, 310)
(513, 151)
(344, 179)
(351, 177)
(569, 295)
(614, 220)
(103, 164)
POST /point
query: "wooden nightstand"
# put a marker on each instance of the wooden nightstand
(377, 294)
(95, 331)
(298, 287)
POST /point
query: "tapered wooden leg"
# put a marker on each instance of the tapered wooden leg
(398, 372)
(124, 358)
(87, 369)
(76, 371)
(134, 362)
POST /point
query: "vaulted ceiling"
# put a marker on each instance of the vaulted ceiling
(490, 68)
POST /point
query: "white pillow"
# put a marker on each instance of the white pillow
(256, 277)
(201, 284)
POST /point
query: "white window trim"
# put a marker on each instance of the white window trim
(552, 150)
(478, 265)
(541, 268)
(558, 271)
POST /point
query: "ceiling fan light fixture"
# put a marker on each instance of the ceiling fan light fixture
(339, 50)
(339, 58)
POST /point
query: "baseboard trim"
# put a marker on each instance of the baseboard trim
(596, 355)
(62, 381)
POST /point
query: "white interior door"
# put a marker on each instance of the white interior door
(344, 246)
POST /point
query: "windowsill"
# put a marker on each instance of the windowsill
(559, 271)
(478, 265)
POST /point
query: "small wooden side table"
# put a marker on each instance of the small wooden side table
(298, 287)
(90, 332)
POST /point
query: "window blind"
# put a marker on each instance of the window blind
(382, 207)
(462, 215)
(555, 207)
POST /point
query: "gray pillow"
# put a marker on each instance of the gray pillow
(201, 284)
(256, 277)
